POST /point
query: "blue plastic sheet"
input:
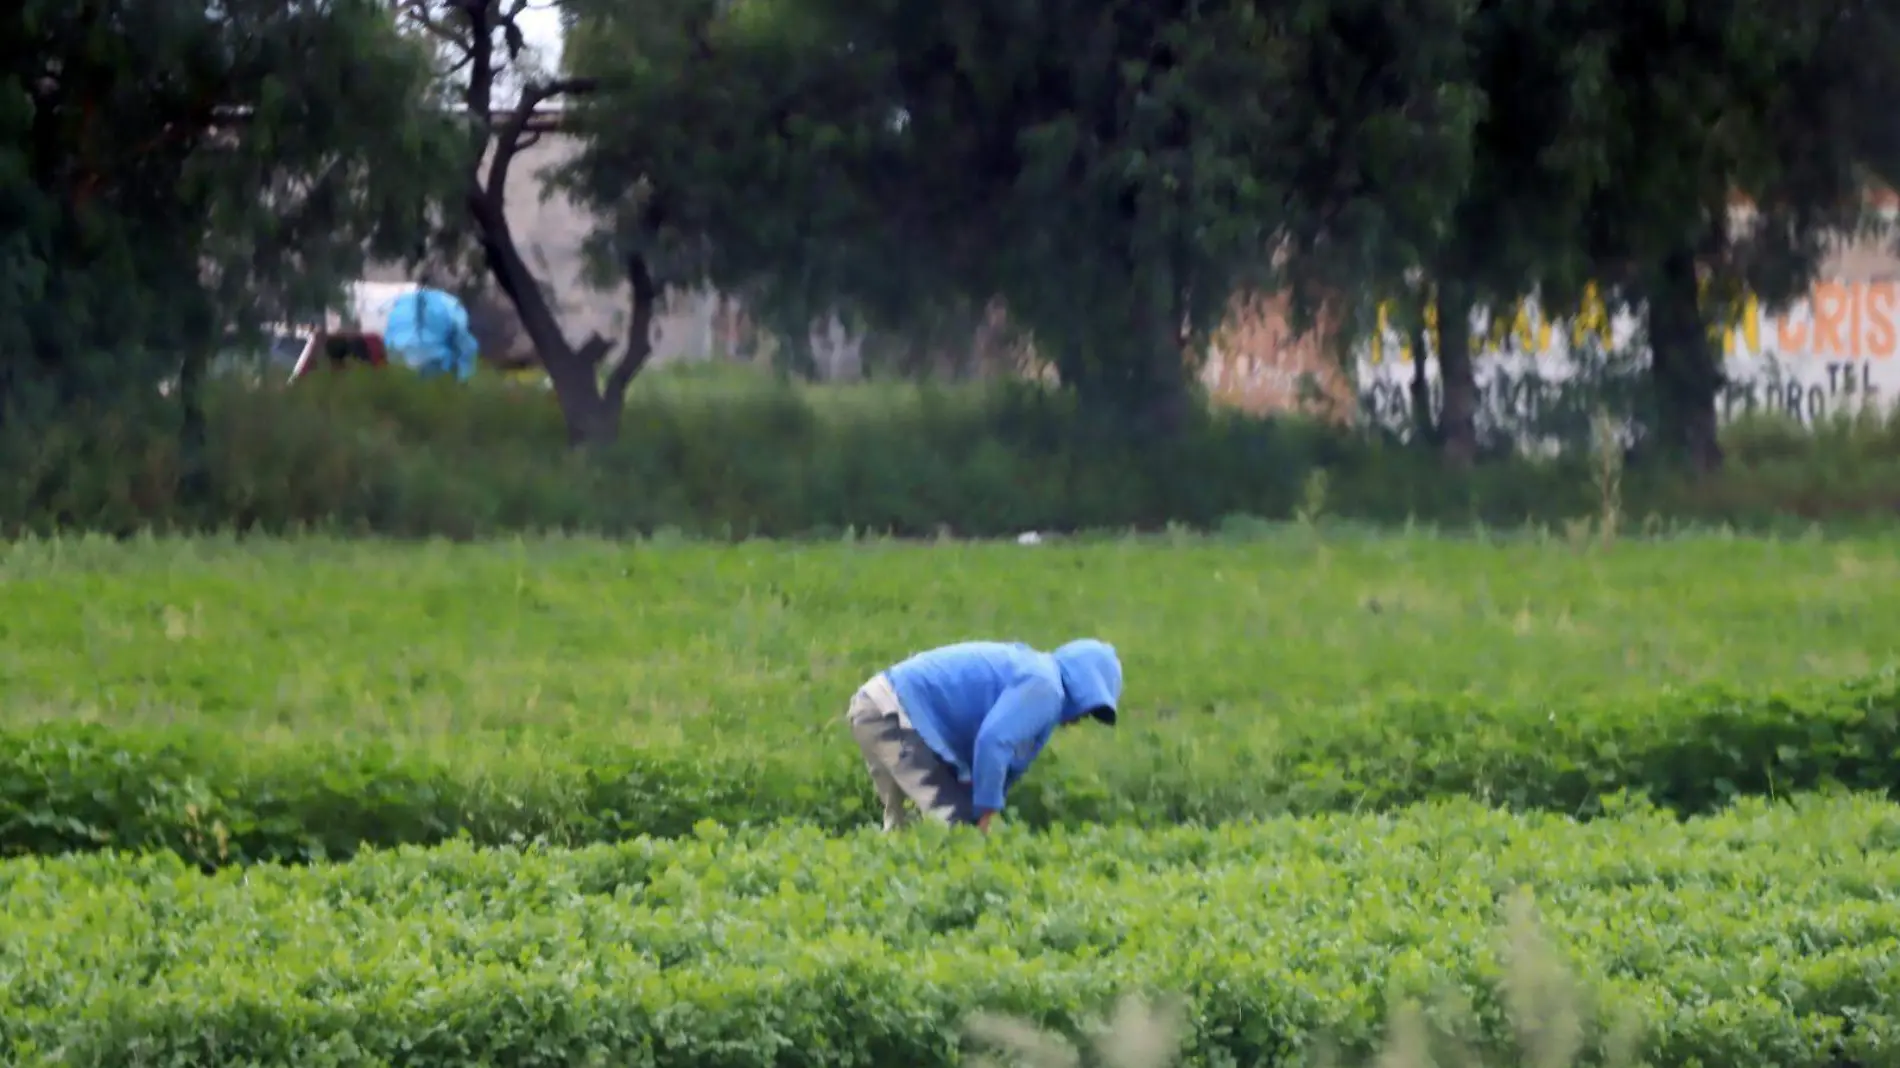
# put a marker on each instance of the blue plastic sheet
(428, 331)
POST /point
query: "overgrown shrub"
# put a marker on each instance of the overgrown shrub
(727, 454)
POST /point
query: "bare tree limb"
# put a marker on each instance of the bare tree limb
(538, 93)
(418, 12)
(508, 137)
(593, 350)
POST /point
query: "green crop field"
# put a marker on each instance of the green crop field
(760, 646)
(567, 801)
(1761, 937)
(296, 700)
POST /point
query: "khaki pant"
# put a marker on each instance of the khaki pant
(902, 766)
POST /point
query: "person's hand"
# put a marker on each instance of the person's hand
(983, 821)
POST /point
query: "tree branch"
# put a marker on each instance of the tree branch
(417, 12)
(593, 350)
(509, 136)
(538, 93)
(645, 294)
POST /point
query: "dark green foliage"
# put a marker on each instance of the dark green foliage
(1112, 174)
(172, 175)
(1787, 105)
(1759, 938)
(1515, 230)
(388, 454)
(1611, 144)
(219, 800)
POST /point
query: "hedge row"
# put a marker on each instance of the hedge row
(219, 800)
(1761, 937)
(721, 457)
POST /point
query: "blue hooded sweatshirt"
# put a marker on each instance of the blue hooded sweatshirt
(428, 330)
(988, 708)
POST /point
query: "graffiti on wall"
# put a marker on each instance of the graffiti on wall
(1837, 349)
(1257, 363)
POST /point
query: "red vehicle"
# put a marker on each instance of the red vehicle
(340, 349)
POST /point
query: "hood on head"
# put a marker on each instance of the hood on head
(1091, 680)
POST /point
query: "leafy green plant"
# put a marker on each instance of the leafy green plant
(300, 700)
(1748, 939)
(1545, 1010)
(67, 788)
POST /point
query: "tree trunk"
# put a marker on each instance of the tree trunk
(590, 420)
(643, 295)
(1166, 408)
(590, 406)
(1685, 368)
(1134, 388)
(193, 437)
(1132, 369)
(1424, 426)
(1457, 422)
(1166, 400)
(1154, 384)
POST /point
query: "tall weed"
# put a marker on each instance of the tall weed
(736, 455)
(1548, 1014)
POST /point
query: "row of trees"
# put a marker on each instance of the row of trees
(1110, 172)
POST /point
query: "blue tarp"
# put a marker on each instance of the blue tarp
(428, 331)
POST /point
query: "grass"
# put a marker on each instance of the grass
(734, 455)
(301, 700)
(759, 644)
